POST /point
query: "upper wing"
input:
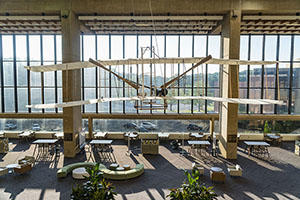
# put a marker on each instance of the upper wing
(86, 64)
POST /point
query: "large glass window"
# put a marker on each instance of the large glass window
(254, 81)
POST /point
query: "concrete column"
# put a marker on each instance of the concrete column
(230, 84)
(212, 127)
(71, 80)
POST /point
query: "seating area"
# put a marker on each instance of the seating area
(113, 173)
(158, 171)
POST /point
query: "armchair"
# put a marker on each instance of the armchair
(23, 168)
(27, 159)
(198, 167)
(235, 170)
(3, 171)
(274, 138)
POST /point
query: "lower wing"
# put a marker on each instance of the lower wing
(138, 98)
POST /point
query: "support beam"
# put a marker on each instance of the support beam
(230, 84)
(212, 127)
(71, 81)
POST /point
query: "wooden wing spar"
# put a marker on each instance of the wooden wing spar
(139, 98)
(87, 64)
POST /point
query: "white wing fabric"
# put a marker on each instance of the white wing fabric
(86, 64)
(137, 98)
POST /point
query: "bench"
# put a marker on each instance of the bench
(123, 175)
(63, 172)
(107, 173)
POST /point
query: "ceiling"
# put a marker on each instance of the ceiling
(158, 24)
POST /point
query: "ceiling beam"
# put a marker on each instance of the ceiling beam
(271, 17)
(9, 32)
(151, 18)
(149, 23)
(29, 23)
(24, 28)
(30, 18)
(268, 23)
(174, 28)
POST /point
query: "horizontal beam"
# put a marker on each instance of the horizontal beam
(271, 28)
(271, 17)
(166, 29)
(150, 116)
(150, 23)
(157, 32)
(29, 32)
(29, 23)
(261, 32)
(31, 115)
(30, 18)
(269, 117)
(151, 18)
(272, 23)
(30, 28)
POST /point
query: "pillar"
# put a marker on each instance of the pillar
(229, 79)
(71, 80)
(212, 127)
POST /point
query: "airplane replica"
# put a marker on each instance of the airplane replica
(156, 92)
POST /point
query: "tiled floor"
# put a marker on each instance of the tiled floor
(275, 178)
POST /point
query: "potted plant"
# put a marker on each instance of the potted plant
(267, 128)
(95, 188)
(192, 189)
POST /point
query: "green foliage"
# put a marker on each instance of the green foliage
(267, 128)
(192, 189)
(95, 188)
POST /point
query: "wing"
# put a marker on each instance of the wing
(220, 99)
(138, 98)
(86, 64)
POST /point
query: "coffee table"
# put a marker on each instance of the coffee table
(80, 173)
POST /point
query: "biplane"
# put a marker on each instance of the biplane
(156, 92)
